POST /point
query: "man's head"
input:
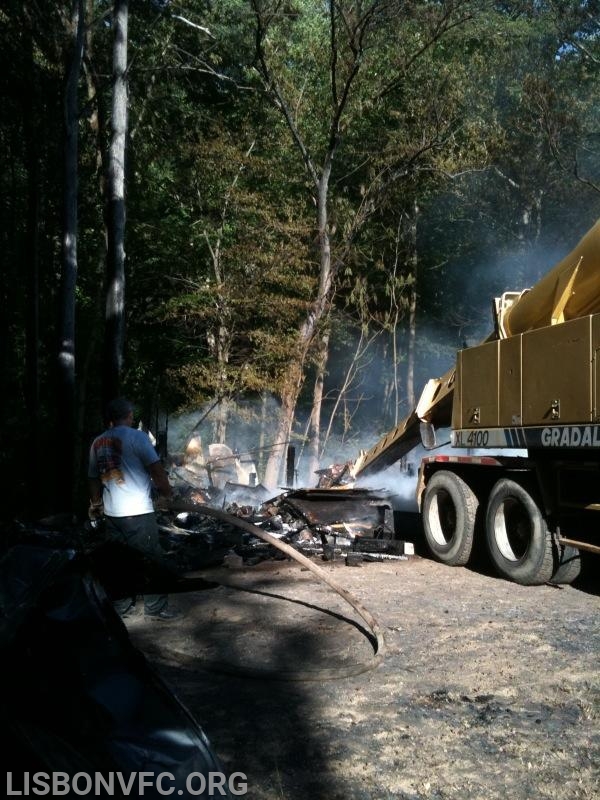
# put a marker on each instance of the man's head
(120, 411)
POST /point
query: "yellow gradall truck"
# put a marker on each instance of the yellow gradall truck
(532, 388)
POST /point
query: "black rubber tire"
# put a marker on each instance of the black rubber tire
(569, 565)
(519, 542)
(449, 514)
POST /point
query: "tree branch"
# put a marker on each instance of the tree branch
(273, 90)
(192, 24)
(442, 26)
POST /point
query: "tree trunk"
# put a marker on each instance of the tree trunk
(353, 370)
(394, 322)
(32, 321)
(8, 271)
(389, 382)
(90, 349)
(115, 272)
(289, 398)
(413, 263)
(306, 334)
(221, 420)
(314, 436)
(66, 352)
(264, 421)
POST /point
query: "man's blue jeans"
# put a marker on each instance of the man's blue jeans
(140, 533)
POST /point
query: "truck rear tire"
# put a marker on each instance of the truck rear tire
(449, 514)
(519, 542)
(569, 565)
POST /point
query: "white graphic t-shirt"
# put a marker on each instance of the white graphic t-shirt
(119, 457)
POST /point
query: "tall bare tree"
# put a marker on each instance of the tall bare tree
(351, 31)
(66, 353)
(32, 272)
(115, 213)
(348, 32)
(314, 431)
(411, 218)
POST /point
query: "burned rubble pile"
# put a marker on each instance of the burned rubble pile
(355, 525)
(334, 520)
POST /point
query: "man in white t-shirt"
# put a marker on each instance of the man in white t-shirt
(123, 468)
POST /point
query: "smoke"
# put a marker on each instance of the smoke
(250, 431)
(400, 479)
(457, 298)
(398, 482)
(241, 420)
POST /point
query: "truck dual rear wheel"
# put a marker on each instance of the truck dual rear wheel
(569, 565)
(519, 542)
(449, 513)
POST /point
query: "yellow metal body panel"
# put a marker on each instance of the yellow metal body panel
(550, 375)
(557, 374)
(457, 394)
(510, 382)
(478, 370)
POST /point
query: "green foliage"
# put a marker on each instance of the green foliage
(484, 117)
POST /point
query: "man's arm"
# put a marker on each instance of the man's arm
(96, 509)
(95, 485)
(160, 479)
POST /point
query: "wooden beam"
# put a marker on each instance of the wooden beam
(592, 548)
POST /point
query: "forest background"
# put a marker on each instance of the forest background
(276, 219)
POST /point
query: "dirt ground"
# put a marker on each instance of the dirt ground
(487, 689)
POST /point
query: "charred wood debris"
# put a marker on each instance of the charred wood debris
(330, 522)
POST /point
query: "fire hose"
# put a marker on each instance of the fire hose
(376, 639)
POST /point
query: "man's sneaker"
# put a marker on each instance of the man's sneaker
(165, 614)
